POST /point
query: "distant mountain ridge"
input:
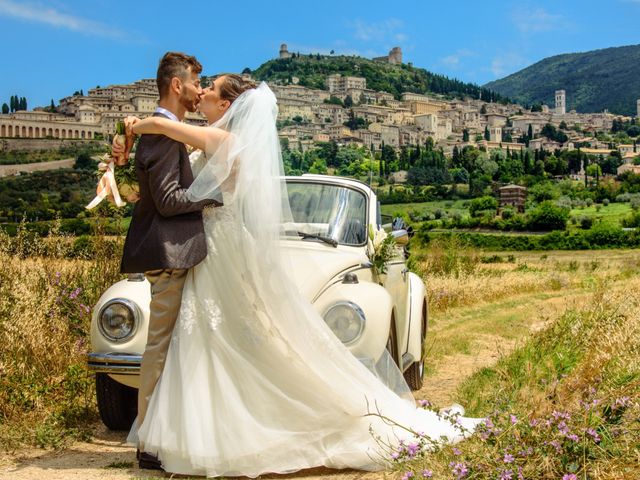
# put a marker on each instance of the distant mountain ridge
(312, 70)
(596, 80)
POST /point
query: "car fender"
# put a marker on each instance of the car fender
(415, 300)
(135, 291)
(377, 305)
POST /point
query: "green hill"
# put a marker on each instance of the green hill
(593, 81)
(395, 79)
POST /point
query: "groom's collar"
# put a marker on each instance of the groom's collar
(167, 114)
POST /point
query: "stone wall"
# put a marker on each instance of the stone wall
(34, 144)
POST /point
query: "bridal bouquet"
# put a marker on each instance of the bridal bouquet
(117, 175)
(380, 249)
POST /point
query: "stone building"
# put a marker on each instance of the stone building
(284, 52)
(561, 105)
(338, 84)
(394, 57)
(514, 196)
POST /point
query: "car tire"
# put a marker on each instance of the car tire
(117, 403)
(414, 375)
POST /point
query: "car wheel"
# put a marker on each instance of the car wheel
(414, 375)
(117, 403)
(392, 341)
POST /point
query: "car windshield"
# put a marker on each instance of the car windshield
(330, 211)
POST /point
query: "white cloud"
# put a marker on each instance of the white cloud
(389, 30)
(507, 63)
(537, 20)
(453, 60)
(38, 13)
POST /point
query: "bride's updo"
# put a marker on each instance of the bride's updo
(234, 85)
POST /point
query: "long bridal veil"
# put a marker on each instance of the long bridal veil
(246, 170)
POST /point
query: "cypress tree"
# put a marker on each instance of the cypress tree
(5, 109)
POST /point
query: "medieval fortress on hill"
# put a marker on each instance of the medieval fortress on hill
(307, 116)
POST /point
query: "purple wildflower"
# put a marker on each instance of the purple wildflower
(513, 419)
(412, 449)
(424, 403)
(573, 437)
(622, 402)
(508, 458)
(407, 475)
(593, 434)
(456, 451)
(506, 475)
(570, 476)
(75, 293)
(459, 469)
(426, 473)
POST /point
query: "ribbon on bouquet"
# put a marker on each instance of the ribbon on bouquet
(107, 186)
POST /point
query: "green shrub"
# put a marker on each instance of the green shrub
(548, 216)
(482, 204)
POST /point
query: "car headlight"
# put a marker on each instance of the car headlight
(346, 320)
(118, 319)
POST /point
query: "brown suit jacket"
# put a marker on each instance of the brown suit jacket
(166, 229)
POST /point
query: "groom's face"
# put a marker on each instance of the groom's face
(191, 91)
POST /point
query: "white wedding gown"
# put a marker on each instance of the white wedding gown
(255, 382)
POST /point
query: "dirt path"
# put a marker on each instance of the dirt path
(106, 456)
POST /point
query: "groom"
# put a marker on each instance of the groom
(166, 235)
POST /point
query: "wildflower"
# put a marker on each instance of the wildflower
(424, 403)
(508, 458)
(593, 434)
(407, 475)
(533, 422)
(456, 451)
(412, 449)
(513, 419)
(622, 402)
(570, 476)
(459, 469)
(573, 437)
(395, 455)
(506, 475)
(75, 293)
(558, 415)
(426, 473)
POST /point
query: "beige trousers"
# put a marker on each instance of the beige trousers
(166, 296)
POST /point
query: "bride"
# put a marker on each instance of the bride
(254, 380)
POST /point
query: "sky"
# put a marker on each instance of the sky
(52, 48)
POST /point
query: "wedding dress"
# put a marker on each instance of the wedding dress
(254, 380)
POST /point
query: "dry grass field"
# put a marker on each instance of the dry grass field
(545, 345)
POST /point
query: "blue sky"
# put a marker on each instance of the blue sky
(52, 48)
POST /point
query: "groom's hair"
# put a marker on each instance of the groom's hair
(175, 64)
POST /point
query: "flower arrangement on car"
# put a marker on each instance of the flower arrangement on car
(118, 181)
(380, 249)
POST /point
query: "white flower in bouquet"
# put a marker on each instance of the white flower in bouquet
(380, 249)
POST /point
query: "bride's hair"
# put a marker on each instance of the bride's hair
(234, 85)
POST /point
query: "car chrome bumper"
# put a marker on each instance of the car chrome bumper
(120, 363)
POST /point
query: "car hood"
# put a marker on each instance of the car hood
(313, 264)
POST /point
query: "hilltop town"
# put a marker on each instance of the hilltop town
(346, 112)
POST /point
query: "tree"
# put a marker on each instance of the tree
(246, 71)
(487, 135)
(348, 102)
(12, 103)
(5, 108)
(483, 109)
(465, 135)
(52, 108)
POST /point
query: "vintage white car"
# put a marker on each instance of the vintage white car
(328, 242)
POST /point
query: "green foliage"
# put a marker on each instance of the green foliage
(595, 80)
(395, 79)
(548, 216)
(601, 236)
(482, 204)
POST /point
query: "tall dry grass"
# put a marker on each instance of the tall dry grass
(565, 405)
(46, 392)
(457, 275)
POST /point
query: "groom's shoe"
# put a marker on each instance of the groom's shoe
(148, 461)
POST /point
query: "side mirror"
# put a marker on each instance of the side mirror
(401, 236)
